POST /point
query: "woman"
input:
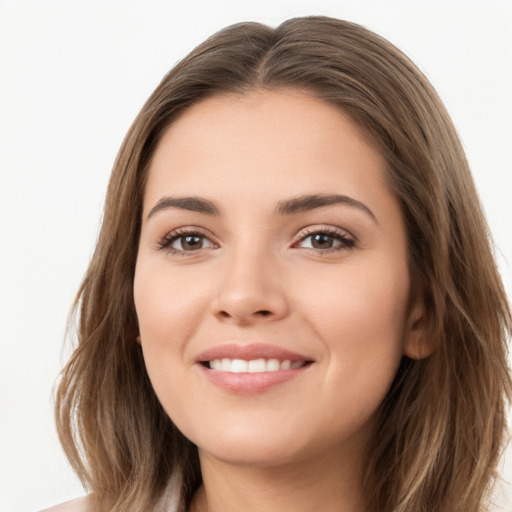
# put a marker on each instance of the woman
(293, 304)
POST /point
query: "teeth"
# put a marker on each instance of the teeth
(257, 366)
(273, 365)
(254, 365)
(239, 366)
(286, 365)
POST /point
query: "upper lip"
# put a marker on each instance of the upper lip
(249, 352)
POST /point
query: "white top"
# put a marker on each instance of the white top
(76, 505)
(170, 501)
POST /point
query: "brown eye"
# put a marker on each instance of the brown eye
(189, 243)
(322, 241)
(326, 241)
(184, 242)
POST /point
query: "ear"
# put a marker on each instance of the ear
(139, 341)
(417, 342)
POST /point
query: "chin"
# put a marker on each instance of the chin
(251, 449)
(265, 449)
(251, 456)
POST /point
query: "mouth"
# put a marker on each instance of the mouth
(260, 365)
(253, 368)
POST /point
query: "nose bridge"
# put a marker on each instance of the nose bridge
(250, 287)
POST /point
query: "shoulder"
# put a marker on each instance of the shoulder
(77, 505)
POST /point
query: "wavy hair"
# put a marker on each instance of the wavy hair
(440, 430)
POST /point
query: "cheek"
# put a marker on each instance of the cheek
(366, 302)
(169, 311)
(167, 305)
(362, 324)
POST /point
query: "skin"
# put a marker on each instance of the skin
(259, 276)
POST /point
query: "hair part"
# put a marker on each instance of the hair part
(439, 433)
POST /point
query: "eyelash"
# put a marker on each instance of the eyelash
(346, 243)
(166, 242)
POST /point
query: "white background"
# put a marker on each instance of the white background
(73, 75)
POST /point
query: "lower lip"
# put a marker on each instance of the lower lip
(251, 383)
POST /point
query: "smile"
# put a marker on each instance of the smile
(253, 365)
(251, 368)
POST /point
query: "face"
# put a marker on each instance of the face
(271, 284)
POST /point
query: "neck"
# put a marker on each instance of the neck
(330, 484)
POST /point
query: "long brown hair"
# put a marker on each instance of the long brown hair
(442, 424)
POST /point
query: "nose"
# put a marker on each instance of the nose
(250, 290)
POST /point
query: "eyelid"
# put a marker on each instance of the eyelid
(348, 240)
(164, 242)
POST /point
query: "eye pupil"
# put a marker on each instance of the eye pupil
(191, 242)
(321, 241)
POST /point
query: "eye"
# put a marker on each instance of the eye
(184, 241)
(326, 240)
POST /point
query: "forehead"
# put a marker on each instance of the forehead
(279, 142)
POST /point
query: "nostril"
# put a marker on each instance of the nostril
(245, 316)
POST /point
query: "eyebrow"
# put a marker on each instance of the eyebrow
(194, 204)
(287, 207)
(311, 202)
